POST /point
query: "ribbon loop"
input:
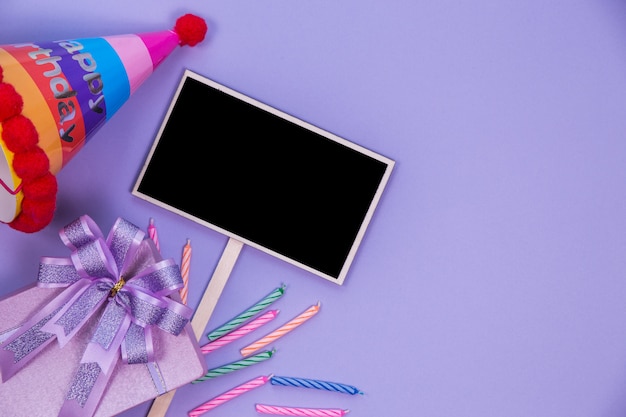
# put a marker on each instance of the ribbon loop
(161, 278)
(124, 240)
(80, 232)
(93, 260)
(57, 272)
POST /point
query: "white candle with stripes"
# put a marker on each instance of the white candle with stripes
(281, 331)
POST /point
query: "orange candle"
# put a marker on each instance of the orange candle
(281, 331)
(184, 270)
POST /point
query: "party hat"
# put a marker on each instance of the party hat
(55, 95)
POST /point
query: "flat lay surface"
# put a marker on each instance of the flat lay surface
(492, 276)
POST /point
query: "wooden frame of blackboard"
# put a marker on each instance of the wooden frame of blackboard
(263, 177)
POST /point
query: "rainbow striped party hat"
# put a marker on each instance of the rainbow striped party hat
(55, 95)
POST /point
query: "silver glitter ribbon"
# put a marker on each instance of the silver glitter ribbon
(121, 282)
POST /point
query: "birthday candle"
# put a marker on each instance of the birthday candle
(240, 332)
(299, 411)
(244, 316)
(152, 233)
(234, 366)
(314, 383)
(229, 395)
(281, 331)
(184, 271)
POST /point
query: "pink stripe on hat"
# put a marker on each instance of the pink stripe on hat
(135, 56)
(160, 44)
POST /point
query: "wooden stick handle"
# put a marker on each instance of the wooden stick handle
(213, 291)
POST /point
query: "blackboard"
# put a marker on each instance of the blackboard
(263, 177)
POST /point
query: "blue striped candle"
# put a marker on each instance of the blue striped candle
(314, 383)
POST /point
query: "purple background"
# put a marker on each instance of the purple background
(492, 279)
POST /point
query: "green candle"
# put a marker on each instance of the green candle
(243, 317)
(231, 367)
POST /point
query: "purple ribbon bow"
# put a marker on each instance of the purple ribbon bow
(121, 285)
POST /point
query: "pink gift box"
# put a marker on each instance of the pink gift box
(38, 390)
(47, 380)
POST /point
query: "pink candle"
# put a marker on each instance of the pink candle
(298, 411)
(229, 395)
(184, 271)
(240, 332)
(152, 233)
(281, 331)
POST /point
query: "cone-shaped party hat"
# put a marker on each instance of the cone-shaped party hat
(55, 95)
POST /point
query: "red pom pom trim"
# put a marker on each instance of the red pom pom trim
(191, 29)
(30, 162)
(42, 188)
(19, 134)
(10, 101)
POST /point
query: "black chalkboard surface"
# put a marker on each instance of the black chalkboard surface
(263, 177)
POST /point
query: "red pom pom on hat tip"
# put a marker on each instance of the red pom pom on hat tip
(191, 29)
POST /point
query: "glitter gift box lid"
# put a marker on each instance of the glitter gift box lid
(40, 388)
